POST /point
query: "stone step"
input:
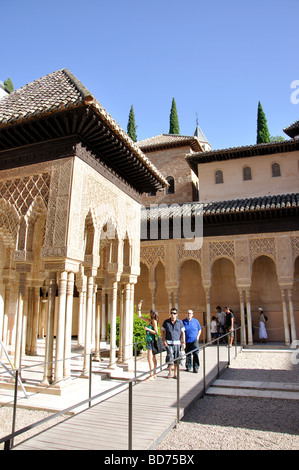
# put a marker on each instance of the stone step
(237, 388)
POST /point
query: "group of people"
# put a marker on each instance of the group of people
(222, 323)
(183, 335)
(177, 335)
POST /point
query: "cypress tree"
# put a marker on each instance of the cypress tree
(174, 127)
(9, 85)
(131, 127)
(263, 135)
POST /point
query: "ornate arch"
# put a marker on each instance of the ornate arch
(9, 223)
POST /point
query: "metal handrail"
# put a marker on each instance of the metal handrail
(9, 439)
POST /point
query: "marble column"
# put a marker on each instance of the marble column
(68, 324)
(292, 317)
(60, 327)
(126, 329)
(249, 317)
(97, 355)
(19, 328)
(285, 316)
(242, 311)
(113, 325)
(89, 306)
(48, 369)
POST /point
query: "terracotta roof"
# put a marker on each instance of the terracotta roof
(292, 130)
(53, 94)
(164, 141)
(241, 152)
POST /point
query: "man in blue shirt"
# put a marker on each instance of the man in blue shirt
(192, 334)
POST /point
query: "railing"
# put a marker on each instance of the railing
(9, 439)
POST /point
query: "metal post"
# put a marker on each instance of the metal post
(135, 363)
(204, 369)
(15, 405)
(218, 364)
(178, 392)
(130, 417)
(89, 379)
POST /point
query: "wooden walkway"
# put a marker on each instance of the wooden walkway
(104, 426)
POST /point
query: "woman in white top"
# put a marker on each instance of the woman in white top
(263, 336)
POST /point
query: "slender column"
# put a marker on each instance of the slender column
(249, 318)
(60, 327)
(97, 356)
(48, 369)
(208, 314)
(103, 316)
(121, 325)
(131, 317)
(243, 326)
(68, 325)
(285, 316)
(6, 308)
(87, 345)
(43, 321)
(126, 329)
(29, 320)
(113, 325)
(82, 309)
(292, 317)
(19, 329)
(34, 322)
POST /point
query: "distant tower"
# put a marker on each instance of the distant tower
(201, 137)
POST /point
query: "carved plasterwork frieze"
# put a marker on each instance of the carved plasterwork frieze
(295, 247)
(151, 255)
(183, 253)
(21, 192)
(262, 246)
(224, 248)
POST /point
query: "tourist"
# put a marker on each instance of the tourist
(263, 336)
(192, 334)
(220, 315)
(214, 328)
(173, 337)
(229, 325)
(151, 331)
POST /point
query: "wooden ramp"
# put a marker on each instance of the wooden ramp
(104, 426)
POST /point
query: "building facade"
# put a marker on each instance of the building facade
(70, 197)
(248, 256)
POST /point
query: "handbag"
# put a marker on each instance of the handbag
(158, 346)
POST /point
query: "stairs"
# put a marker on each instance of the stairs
(237, 388)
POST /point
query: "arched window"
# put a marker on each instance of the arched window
(170, 189)
(247, 173)
(276, 170)
(218, 177)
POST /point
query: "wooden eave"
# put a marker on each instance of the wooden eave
(84, 122)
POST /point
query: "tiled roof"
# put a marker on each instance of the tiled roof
(249, 205)
(163, 141)
(261, 203)
(292, 130)
(57, 92)
(240, 152)
(47, 94)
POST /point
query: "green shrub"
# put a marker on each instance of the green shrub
(138, 331)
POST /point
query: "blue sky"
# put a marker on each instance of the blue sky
(216, 58)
